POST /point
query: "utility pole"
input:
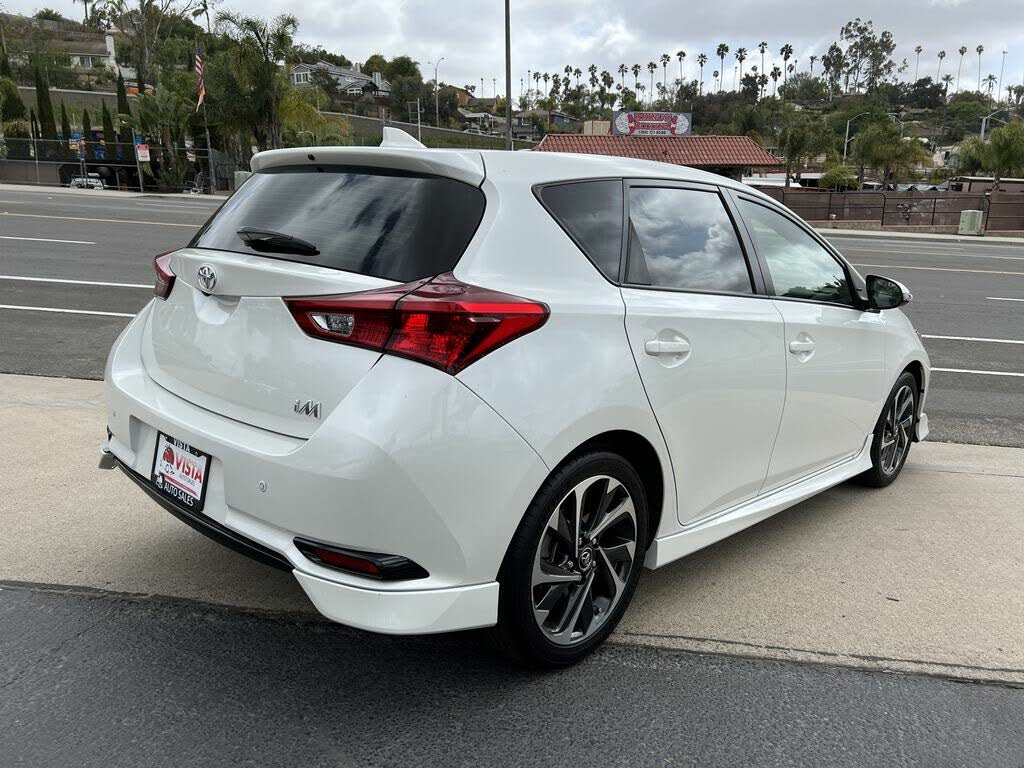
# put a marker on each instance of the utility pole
(846, 141)
(508, 76)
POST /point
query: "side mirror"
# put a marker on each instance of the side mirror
(884, 293)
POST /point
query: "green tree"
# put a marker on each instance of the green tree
(65, 125)
(868, 54)
(109, 135)
(148, 24)
(5, 62)
(880, 146)
(1004, 154)
(253, 58)
(47, 124)
(376, 63)
(838, 177)
(11, 105)
(722, 51)
(124, 109)
(165, 116)
(801, 138)
(86, 124)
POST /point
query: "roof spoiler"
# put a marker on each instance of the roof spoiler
(396, 138)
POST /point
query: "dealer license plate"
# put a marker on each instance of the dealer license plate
(180, 472)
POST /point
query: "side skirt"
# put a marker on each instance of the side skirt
(703, 533)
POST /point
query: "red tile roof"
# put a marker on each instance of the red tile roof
(694, 151)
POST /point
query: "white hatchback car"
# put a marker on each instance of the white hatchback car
(456, 389)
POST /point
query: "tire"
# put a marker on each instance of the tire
(888, 458)
(561, 595)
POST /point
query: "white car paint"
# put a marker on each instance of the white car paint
(408, 459)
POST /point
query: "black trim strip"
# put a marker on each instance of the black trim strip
(209, 527)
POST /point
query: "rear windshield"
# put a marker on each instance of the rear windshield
(394, 226)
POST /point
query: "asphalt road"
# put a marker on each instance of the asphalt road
(968, 298)
(101, 680)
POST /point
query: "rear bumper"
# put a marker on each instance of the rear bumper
(381, 474)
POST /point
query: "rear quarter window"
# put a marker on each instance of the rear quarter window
(591, 213)
(391, 225)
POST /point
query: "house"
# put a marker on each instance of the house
(353, 83)
(553, 120)
(732, 156)
(461, 94)
(90, 53)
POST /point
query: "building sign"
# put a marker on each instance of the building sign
(651, 123)
(142, 152)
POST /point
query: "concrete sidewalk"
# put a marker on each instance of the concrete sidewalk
(911, 235)
(925, 576)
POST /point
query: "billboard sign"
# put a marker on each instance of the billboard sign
(651, 123)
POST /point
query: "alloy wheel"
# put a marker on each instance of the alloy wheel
(897, 430)
(584, 560)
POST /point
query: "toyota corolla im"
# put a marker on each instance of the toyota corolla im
(456, 389)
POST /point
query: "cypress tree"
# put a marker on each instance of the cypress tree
(86, 125)
(108, 126)
(5, 62)
(65, 126)
(11, 105)
(47, 124)
(123, 108)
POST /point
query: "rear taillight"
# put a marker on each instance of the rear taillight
(442, 322)
(164, 277)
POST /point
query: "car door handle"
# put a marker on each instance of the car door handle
(801, 347)
(656, 347)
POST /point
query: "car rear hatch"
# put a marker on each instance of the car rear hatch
(224, 339)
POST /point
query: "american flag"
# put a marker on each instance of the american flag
(200, 80)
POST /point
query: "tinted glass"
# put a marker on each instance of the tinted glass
(393, 226)
(591, 212)
(799, 266)
(684, 239)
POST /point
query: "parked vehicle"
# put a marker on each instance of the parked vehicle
(456, 389)
(89, 181)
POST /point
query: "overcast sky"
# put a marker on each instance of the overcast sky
(546, 36)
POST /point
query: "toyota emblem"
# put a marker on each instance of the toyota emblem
(207, 277)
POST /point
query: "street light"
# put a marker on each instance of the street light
(846, 141)
(984, 122)
(437, 110)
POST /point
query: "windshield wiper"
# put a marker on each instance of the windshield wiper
(276, 242)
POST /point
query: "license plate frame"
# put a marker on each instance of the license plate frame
(180, 472)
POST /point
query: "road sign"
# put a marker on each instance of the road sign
(142, 151)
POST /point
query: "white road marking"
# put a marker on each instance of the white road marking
(72, 311)
(972, 338)
(938, 269)
(73, 282)
(47, 240)
(984, 373)
(1001, 298)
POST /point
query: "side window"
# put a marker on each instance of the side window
(684, 239)
(591, 212)
(800, 268)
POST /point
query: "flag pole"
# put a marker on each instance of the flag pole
(209, 153)
(200, 66)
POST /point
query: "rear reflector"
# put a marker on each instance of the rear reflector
(441, 322)
(164, 277)
(371, 564)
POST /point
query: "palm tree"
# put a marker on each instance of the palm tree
(741, 56)
(962, 50)
(763, 48)
(577, 73)
(785, 52)
(942, 55)
(652, 68)
(990, 83)
(702, 59)
(947, 80)
(917, 63)
(776, 74)
(623, 69)
(714, 78)
(980, 49)
(812, 59)
(636, 77)
(665, 59)
(680, 54)
(721, 51)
